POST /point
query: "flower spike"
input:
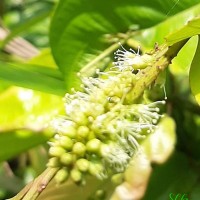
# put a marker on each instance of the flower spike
(99, 133)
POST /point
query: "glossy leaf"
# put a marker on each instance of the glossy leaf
(169, 27)
(35, 78)
(195, 74)
(190, 29)
(45, 58)
(15, 142)
(78, 28)
(181, 64)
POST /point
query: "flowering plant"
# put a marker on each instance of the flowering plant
(115, 123)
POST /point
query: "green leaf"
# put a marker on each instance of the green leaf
(194, 74)
(24, 118)
(78, 28)
(158, 33)
(15, 142)
(45, 58)
(181, 63)
(41, 79)
(24, 108)
(190, 29)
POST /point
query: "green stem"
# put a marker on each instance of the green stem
(33, 189)
(147, 76)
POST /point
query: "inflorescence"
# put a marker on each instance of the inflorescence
(100, 133)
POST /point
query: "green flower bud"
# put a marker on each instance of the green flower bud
(79, 149)
(66, 142)
(83, 131)
(80, 118)
(93, 145)
(82, 164)
(96, 169)
(117, 178)
(76, 175)
(70, 131)
(127, 60)
(62, 175)
(100, 194)
(56, 151)
(66, 159)
(53, 162)
(65, 127)
(91, 135)
(105, 149)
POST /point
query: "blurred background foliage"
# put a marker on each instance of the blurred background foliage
(45, 43)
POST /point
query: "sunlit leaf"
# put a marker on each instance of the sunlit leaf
(181, 64)
(190, 29)
(195, 74)
(24, 118)
(171, 25)
(24, 108)
(45, 58)
(35, 78)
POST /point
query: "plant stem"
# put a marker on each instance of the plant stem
(33, 189)
(163, 57)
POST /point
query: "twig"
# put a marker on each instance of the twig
(34, 188)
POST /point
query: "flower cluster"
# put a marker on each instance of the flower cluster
(100, 132)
